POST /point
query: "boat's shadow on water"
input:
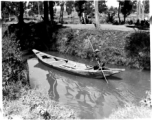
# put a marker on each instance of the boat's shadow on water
(114, 77)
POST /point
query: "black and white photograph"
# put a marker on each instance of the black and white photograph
(75, 59)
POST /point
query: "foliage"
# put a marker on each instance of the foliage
(31, 35)
(69, 7)
(89, 8)
(14, 72)
(75, 42)
(34, 7)
(126, 7)
(111, 12)
(18, 98)
(113, 9)
(102, 6)
(138, 48)
(36, 104)
(11, 8)
(146, 6)
(116, 47)
(79, 6)
(134, 7)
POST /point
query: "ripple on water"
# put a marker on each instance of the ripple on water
(91, 98)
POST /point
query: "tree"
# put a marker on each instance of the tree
(36, 7)
(21, 21)
(61, 11)
(79, 6)
(97, 24)
(46, 18)
(126, 8)
(119, 11)
(111, 13)
(146, 6)
(69, 7)
(89, 8)
(51, 4)
(9, 9)
(102, 6)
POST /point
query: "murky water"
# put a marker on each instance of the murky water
(92, 98)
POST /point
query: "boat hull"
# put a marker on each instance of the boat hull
(81, 70)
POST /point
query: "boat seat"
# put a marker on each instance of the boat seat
(45, 56)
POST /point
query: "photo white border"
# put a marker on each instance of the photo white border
(1, 105)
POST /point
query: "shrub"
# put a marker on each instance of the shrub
(14, 72)
(137, 49)
(18, 98)
(36, 104)
(110, 43)
(110, 17)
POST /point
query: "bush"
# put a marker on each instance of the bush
(76, 42)
(18, 98)
(116, 47)
(138, 49)
(14, 72)
(110, 17)
(36, 104)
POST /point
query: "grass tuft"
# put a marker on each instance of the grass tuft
(131, 112)
(35, 104)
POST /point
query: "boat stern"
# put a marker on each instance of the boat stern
(35, 51)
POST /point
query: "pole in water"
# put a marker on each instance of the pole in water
(98, 62)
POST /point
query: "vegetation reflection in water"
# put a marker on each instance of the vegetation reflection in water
(77, 95)
(86, 98)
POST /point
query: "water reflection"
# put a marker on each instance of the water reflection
(85, 95)
(92, 98)
(53, 84)
(86, 98)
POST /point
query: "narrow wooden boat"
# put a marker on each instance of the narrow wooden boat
(74, 67)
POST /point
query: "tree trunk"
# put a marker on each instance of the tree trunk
(97, 24)
(46, 18)
(61, 13)
(124, 19)
(143, 9)
(21, 21)
(119, 12)
(51, 12)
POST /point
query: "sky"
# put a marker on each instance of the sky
(113, 3)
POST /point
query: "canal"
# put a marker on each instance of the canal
(91, 98)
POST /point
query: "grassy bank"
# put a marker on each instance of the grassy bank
(131, 49)
(127, 48)
(115, 48)
(18, 98)
(131, 111)
(35, 104)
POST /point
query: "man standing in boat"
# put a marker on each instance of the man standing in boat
(97, 58)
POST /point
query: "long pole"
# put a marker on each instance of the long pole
(98, 62)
